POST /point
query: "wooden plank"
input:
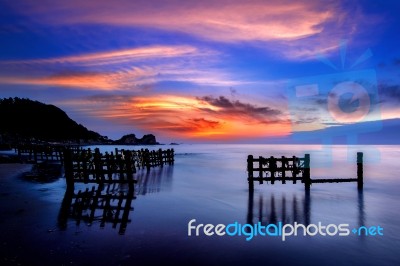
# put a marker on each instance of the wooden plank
(334, 180)
(277, 179)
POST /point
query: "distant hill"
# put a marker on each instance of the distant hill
(26, 120)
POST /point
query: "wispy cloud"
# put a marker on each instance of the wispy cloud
(298, 29)
(126, 79)
(120, 56)
(123, 69)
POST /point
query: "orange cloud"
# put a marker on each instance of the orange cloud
(204, 118)
(82, 80)
(86, 81)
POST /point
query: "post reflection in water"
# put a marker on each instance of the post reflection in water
(271, 209)
(154, 181)
(111, 203)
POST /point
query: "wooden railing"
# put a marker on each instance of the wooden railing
(293, 169)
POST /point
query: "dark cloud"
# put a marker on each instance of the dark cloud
(204, 123)
(250, 113)
(237, 107)
(109, 98)
(221, 101)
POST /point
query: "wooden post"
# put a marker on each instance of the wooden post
(160, 158)
(360, 172)
(250, 172)
(272, 169)
(129, 170)
(307, 178)
(172, 156)
(98, 166)
(260, 169)
(294, 169)
(147, 158)
(283, 169)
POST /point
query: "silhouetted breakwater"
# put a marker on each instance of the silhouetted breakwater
(113, 175)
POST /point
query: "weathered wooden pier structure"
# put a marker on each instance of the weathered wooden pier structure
(47, 160)
(116, 177)
(87, 166)
(91, 166)
(292, 169)
(38, 153)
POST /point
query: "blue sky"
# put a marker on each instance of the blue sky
(199, 71)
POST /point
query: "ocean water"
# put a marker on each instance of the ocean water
(209, 183)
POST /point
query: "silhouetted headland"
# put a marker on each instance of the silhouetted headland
(25, 121)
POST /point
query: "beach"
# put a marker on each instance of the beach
(208, 183)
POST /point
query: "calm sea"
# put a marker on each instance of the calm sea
(209, 183)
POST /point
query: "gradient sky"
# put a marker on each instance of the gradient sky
(202, 71)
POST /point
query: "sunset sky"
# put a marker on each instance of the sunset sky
(204, 71)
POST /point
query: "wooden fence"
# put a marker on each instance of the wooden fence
(292, 169)
(40, 153)
(87, 166)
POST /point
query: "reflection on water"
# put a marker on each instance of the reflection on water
(361, 211)
(111, 203)
(104, 204)
(271, 209)
(154, 181)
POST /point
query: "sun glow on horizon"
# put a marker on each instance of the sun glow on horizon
(185, 117)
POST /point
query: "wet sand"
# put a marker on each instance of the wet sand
(22, 211)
